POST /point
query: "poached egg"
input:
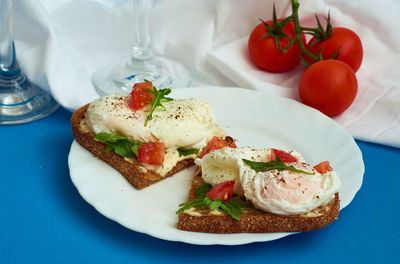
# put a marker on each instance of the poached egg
(184, 123)
(188, 123)
(280, 192)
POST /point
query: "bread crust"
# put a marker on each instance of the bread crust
(134, 171)
(256, 221)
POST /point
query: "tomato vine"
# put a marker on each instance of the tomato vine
(319, 33)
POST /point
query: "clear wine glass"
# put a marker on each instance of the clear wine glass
(120, 75)
(20, 100)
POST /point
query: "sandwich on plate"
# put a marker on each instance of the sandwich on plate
(252, 190)
(146, 135)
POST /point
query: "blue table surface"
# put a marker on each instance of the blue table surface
(45, 220)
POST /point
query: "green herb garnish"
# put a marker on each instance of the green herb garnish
(202, 190)
(233, 207)
(277, 164)
(187, 152)
(158, 99)
(120, 144)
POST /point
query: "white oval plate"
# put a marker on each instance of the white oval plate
(255, 119)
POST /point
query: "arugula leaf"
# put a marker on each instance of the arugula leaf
(158, 99)
(233, 207)
(135, 149)
(107, 137)
(190, 204)
(202, 190)
(187, 152)
(122, 147)
(277, 164)
(215, 204)
(120, 144)
(239, 201)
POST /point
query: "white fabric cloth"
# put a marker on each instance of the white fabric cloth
(61, 43)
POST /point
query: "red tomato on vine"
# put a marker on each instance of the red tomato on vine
(329, 86)
(344, 41)
(266, 44)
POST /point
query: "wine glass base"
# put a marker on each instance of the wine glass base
(22, 101)
(121, 75)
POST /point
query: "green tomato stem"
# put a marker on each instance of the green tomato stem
(309, 29)
(298, 30)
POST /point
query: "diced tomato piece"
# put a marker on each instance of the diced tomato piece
(231, 142)
(283, 155)
(232, 145)
(152, 153)
(214, 144)
(222, 190)
(323, 167)
(140, 96)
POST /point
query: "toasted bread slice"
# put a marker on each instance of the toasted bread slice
(253, 220)
(132, 170)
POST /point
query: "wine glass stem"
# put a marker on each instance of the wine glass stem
(8, 62)
(141, 48)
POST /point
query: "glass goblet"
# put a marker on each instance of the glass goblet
(120, 75)
(21, 101)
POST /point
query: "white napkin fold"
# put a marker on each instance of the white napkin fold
(61, 43)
